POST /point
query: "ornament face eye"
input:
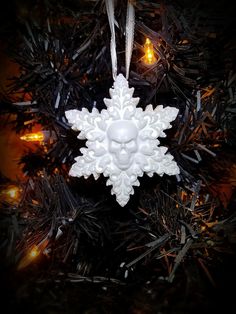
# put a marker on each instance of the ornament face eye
(122, 142)
(131, 146)
(114, 146)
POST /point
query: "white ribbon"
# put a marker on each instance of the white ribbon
(111, 18)
(129, 36)
(129, 33)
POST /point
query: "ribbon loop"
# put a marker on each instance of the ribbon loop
(111, 18)
(129, 36)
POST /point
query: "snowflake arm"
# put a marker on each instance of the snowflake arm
(88, 164)
(89, 123)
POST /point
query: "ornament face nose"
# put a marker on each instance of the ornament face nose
(123, 156)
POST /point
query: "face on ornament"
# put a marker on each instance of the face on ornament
(122, 143)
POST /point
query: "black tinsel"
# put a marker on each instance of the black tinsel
(177, 234)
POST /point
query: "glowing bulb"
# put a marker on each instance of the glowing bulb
(29, 257)
(11, 194)
(34, 252)
(149, 57)
(203, 228)
(33, 137)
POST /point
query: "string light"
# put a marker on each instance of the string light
(149, 57)
(11, 194)
(29, 257)
(40, 136)
(39, 249)
(203, 228)
(33, 253)
(33, 137)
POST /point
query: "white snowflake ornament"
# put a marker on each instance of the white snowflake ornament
(122, 141)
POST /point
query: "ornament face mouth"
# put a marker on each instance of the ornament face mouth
(124, 161)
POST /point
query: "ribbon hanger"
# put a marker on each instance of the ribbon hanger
(129, 36)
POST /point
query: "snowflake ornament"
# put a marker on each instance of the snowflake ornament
(122, 141)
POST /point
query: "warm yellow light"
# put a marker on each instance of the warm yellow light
(203, 228)
(29, 257)
(10, 194)
(149, 57)
(34, 252)
(33, 137)
(13, 192)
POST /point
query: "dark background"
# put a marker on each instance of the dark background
(216, 300)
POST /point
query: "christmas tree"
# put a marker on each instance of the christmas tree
(170, 246)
